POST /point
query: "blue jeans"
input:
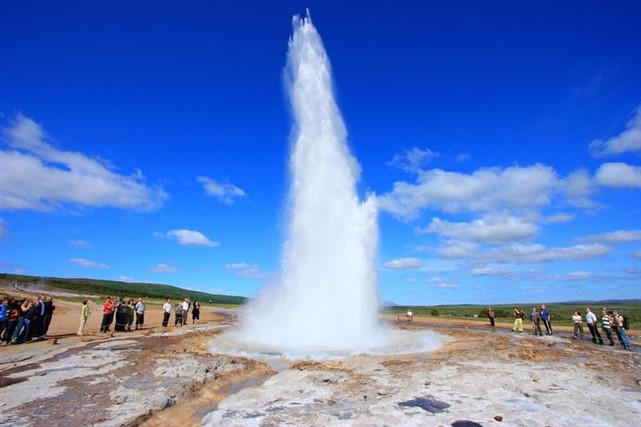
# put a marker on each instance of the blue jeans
(624, 338)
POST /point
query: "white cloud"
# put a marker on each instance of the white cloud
(80, 244)
(578, 188)
(618, 175)
(188, 237)
(246, 270)
(447, 286)
(456, 249)
(577, 275)
(82, 262)
(536, 253)
(124, 279)
(225, 191)
(627, 141)
(636, 255)
(485, 190)
(3, 228)
(163, 268)
(404, 264)
(37, 176)
(517, 253)
(490, 271)
(412, 160)
(615, 237)
(491, 228)
(557, 218)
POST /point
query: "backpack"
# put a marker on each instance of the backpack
(626, 322)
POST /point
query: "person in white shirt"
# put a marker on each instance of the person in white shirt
(140, 313)
(590, 319)
(185, 310)
(166, 307)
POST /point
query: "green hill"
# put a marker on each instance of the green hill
(116, 288)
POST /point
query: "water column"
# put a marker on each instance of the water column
(326, 299)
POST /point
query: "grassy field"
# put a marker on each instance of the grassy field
(561, 312)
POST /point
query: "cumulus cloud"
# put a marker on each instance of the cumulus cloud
(491, 228)
(627, 141)
(412, 160)
(35, 175)
(188, 237)
(490, 271)
(404, 264)
(246, 270)
(224, 191)
(557, 218)
(485, 190)
(82, 262)
(163, 268)
(618, 175)
(518, 253)
(614, 237)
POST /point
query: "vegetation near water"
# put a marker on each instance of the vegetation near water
(115, 288)
(561, 312)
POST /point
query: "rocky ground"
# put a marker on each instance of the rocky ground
(168, 377)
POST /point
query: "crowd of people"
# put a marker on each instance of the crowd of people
(181, 312)
(25, 320)
(613, 324)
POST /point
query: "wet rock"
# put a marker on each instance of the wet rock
(498, 418)
(466, 423)
(428, 404)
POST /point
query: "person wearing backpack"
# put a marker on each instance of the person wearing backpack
(179, 314)
(620, 330)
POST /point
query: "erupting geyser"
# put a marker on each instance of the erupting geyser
(326, 300)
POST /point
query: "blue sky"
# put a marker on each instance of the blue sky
(148, 142)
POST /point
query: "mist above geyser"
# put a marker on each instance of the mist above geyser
(326, 300)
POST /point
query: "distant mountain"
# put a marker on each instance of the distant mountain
(84, 286)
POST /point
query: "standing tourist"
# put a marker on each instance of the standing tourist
(606, 325)
(185, 306)
(546, 317)
(577, 321)
(618, 324)
(121, 315)
(49, 309)
(4, 314)
(195, 313)
(107, 314)
(13, 315)
(178, 316)
(590, 319)
(518, 320)
(490, 315)
(535, 317)
(140, 313)
(130, 314)
(84, 315)
(166, 308)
